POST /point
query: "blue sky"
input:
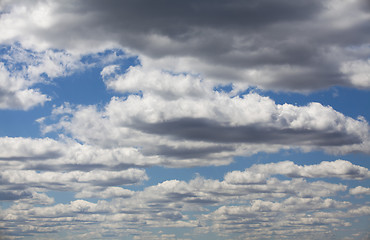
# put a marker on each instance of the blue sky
(184, 120)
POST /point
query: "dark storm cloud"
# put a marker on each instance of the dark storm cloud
(212, 131)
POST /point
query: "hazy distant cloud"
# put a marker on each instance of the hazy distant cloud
(68, 181)
(109, 192)
(281, 45)
(293, 205)
(258, 173)
(265, 218)
(51, 155)
(359, 190)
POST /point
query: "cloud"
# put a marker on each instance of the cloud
(263, 218)
(46, 154)
(22, 69)
(168, 85)
(359, 71)
(183, 74)
(68, 181)
(15, 94)
(359, 190)
(109, 192)
(258, 173)
(296, 47)
(214, 126)
(290, 206)
(27, 148)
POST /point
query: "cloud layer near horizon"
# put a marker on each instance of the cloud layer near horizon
(237, 199)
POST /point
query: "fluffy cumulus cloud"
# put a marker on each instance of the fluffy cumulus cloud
(188, 86)
(220, 127)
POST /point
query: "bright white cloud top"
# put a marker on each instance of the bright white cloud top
(142, 119)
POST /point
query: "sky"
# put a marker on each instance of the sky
(187, 120)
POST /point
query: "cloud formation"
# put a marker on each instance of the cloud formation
(170, 201)
(190, 85)
(298, 46)
(339, 168)
(220, 127)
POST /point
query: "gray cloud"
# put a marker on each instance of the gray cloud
(185, 49)
(26, 180)
(294, 46)
(215, 127)
(11, 195)
(212, 131)
(187, 152)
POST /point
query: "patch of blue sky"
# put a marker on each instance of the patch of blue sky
(63, 197)
(223, 88)
(84, 87)
(4, 204)
(111, 57)
(87, 87)
(17, 123)
(351, 102)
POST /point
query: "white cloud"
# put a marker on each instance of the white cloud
(167, 85)
(258, 173)
(216, 126)
(30, 24)
(15, 92)
(22, 148)
(21, 69)
(109, 192)
(359, 72)
(359, 190)
(171, 116)
(254, 208)
(289, 218)
(48, 154)
(70, 181)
